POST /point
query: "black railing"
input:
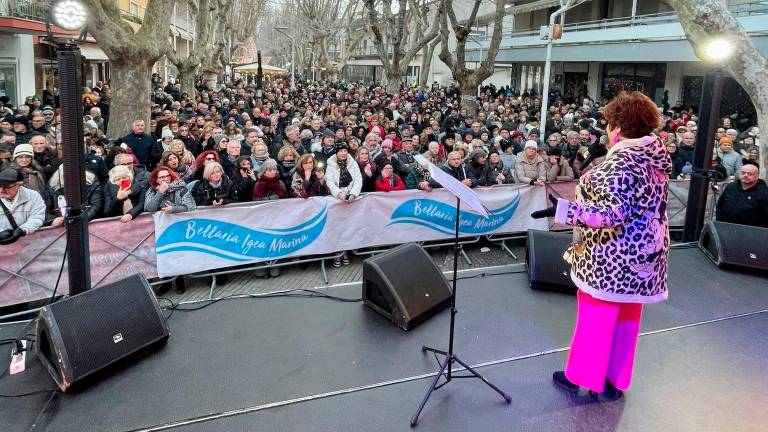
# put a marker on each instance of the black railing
(26, 9)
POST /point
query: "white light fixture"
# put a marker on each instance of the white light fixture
(69, 14)
(718, 50)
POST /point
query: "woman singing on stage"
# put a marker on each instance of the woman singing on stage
(619, 254)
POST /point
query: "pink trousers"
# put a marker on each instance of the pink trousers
(603, 345)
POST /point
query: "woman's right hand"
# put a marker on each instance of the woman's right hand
(123, 193)
(59, 221)
(368, 171)
(307, 175)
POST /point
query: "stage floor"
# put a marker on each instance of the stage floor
(294, 364)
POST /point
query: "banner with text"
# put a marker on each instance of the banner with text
(210, 238)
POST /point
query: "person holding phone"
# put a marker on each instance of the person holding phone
(244, 178)
(122, 196)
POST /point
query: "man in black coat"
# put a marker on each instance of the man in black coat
(456, 168)
(141, 143)
(745, 201)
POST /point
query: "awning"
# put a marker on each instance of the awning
(267, 69)
(93, 53)
(518, 9)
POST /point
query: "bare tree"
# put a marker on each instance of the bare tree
(426, 62)
(240, 23)
(131, 56)
(208, 14)
(468, 79)
(703, 20)
(328, 22)
(399, 36)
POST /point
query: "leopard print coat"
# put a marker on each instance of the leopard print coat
(621, 238)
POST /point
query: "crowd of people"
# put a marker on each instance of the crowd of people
(222, 146)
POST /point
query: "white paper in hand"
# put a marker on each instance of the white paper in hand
(457, 188)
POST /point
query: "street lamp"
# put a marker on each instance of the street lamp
(716, 52)
(284, 31)
(565, 5)
(72, 15)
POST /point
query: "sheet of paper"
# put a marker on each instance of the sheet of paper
(467, 196)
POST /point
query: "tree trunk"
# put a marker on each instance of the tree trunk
(761, 111)
(426, 62)
(468, 87)
(212, 80)
(392, 81)
(130, 95)
(187, 73)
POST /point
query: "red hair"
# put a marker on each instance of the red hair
(635, 113)
(200, 160)
(153, 177)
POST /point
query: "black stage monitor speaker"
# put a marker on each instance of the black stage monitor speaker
(547, 270)
(405, 285)
(87, 332)
(728, 244)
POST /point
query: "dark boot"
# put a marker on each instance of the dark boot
(611, 393)
(562, 381)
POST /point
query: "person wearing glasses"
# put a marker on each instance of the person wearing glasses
(204, 159)
(168, 192)
(26, 209)
(125, 192)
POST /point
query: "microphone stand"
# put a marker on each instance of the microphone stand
(446, 367)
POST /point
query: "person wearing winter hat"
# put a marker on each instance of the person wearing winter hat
(731, 159)
(163, 145)
(25, 207)
(24, 161)
(21, 129)
(530, 167)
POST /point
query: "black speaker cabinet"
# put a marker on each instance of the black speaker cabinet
(85, 333)
(728, 244)
(547, 270)
(405, 285)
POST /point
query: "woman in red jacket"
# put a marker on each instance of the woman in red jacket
(388, 181)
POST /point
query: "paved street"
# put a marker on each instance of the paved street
(294, 277)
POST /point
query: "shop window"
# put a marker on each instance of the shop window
(8, 82)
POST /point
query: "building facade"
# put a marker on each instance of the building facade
(28, 61)
(613, 45)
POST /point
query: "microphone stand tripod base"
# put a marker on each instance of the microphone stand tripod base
(446, 366)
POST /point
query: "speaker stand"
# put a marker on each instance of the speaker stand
(446, 367)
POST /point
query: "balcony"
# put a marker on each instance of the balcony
(24, 9)
(654, 37)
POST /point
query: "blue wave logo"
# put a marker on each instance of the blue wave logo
(238, 243)
(441, 217)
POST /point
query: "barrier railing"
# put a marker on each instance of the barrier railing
(29, 267)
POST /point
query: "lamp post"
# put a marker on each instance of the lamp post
(715, 52)
(72, 15)
(565, 5)
(284, 31)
